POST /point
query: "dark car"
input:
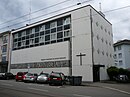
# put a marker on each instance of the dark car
(42, 78)
(122, 78)
(20, 76)
(30, 77)
(7, 76)
(56, 78)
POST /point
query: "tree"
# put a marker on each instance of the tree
(112, 72)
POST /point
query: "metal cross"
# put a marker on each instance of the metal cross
(80, 56)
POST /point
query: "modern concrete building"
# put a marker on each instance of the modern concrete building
(122, 54)
(4, 51)
(78, 42)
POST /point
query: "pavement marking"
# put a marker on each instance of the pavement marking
(6, 84)
(81, 95)
(37, 89)
(118, 90)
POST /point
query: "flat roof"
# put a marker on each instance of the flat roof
(122, 42)
(66, 13)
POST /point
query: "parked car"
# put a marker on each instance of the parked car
(7, 75)
(20, 76)
(30, 77)
(42, 78)
(122, 78)
(56, 78)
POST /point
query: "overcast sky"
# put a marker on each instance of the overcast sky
(11, 10)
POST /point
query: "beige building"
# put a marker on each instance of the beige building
(4, 51)
(78, 43)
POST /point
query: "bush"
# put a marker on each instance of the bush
(112, 72)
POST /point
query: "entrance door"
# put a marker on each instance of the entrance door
(96, 73)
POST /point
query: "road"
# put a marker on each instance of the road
(10, 88)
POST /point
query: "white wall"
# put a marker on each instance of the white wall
(45, 52)
(81, 43)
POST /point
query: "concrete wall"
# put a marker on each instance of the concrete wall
(42, 54)
(81, 43)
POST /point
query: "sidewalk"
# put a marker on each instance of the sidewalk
(121, 87)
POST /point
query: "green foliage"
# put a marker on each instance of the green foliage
(112, 72)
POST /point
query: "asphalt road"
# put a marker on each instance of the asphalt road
(10, 88)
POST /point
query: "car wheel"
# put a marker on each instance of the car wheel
(7, 78)
(50, 84)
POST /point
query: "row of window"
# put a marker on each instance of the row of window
(119, 55)
(120, 63)
(103, 53)
(51, 32)
(103, 40)
(102, 28)
(117, 48)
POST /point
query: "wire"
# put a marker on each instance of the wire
(36, 11)
(63, 9)
(44, 15)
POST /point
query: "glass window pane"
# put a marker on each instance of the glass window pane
(59, 35)
(53, 36)
(47, 37)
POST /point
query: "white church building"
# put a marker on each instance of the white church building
(78, 43)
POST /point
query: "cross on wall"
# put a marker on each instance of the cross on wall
(80, 56)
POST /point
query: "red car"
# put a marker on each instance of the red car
(20, 76)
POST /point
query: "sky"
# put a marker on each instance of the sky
(18, 13)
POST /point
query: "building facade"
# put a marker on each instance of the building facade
(78, 43)
(4, 51)
(122, 54)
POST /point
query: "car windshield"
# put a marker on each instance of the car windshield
(44, 74)
(29, 74)
(55, 74)
(20, 74)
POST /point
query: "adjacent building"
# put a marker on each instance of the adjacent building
(4, 51)
(78, 42)
(122, 54)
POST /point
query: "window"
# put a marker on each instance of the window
(33, 30)
(101, 27)
(23, 33)
(53, 24)
(102, 40)
(67, 21)
(23, 43)
(37, 29)
(120, 55)
(67, 33)
(119, 47)
(4, 48)
(5, 39)
(59, 35)
(36, 40)
(31, 41)
(47, 26)
(115, 56)
(105, 30)
(15, 35)
(114, 48)
(42, 28)
(4, 58)
(53, 30)
(53, 36)
(97, 37)
(19, 34)
(67, 27)
(15, 45)
(47, 37)
(59, 28)
(97, 23)
(120, 62)
(59, 22)
(42, 39)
